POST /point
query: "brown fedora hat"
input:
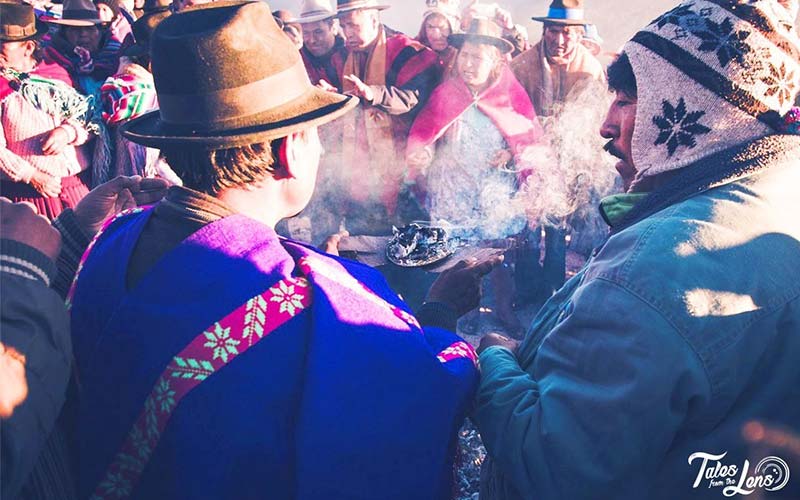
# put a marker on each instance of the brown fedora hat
(227, 76)
(343, 6)
(78, 13)
(18, 22)
(484, 31)
(566, 12)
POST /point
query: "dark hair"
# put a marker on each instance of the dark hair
(621, 77)
(211, 171)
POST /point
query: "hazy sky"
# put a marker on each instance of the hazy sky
(617, 20)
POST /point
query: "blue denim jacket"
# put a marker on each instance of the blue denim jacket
(683, 327)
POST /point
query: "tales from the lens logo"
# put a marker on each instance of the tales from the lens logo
(770, 474)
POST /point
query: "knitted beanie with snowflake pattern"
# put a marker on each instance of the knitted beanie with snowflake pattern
(711, 74)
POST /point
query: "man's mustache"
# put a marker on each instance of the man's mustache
(613, 151)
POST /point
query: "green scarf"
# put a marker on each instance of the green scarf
(53, 97)
(614, 208)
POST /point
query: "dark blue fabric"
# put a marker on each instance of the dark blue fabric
(324, 407)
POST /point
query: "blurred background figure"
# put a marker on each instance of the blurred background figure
(128, 94)
(290, 27)
(323, 49)
(43, 154)
(550, 71)
(393, 76)
(84, 45)
(463, 148)
(592, 40)
(437, 25)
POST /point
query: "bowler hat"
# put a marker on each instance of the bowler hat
(227, 76)
(312, 11)
(484, 31)
(343, 6)
(18, 22)
(143, 31)
(566, 12)
(78, 13)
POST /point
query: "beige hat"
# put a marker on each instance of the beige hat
(351, 5)
(312, 11)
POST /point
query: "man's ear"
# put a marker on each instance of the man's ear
(290, 153)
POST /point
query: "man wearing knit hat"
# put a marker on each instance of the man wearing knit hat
(648, 373)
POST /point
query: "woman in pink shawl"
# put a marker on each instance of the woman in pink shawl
(465, 146)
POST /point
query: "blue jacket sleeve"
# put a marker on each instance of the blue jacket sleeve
(35, 323)
(612, 381)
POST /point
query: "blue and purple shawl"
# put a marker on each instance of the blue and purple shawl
(345, 400)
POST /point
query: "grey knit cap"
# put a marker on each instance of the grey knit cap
(711, 75)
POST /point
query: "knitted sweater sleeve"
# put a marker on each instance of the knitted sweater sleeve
(14, 166)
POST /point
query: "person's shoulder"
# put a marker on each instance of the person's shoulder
(401, 41)
(526, 58)
(590, 64)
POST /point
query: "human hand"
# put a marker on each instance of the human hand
(85, 62)
(116, 195)
(324, 85)
(46, 184)
(13, 386)
(460, 286)
(361, 90)
(56, 141)
(495, 339)
(503, 18)
(20, 222)
(331, 244)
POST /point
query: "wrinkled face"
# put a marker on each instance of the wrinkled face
(17, 55)
(319, 37)
(87, 37)
(475, 63)
(437, 29)
(618, 127)
(560, 42)
(361, 28)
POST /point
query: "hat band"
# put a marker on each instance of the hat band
(316, 13)
(570, 14)
(234, 103)
(83, 15)
(18, 31)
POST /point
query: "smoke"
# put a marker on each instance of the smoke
(571, 171)
(570, 174)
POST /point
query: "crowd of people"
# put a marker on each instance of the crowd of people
(166, 334)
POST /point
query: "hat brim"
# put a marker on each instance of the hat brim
(312, 19)
(457, 40)
(315, 107)
(41, 30)
(75, 22)
(342, 10)
(563, 22)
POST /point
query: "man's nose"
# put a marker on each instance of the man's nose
(610, 128)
